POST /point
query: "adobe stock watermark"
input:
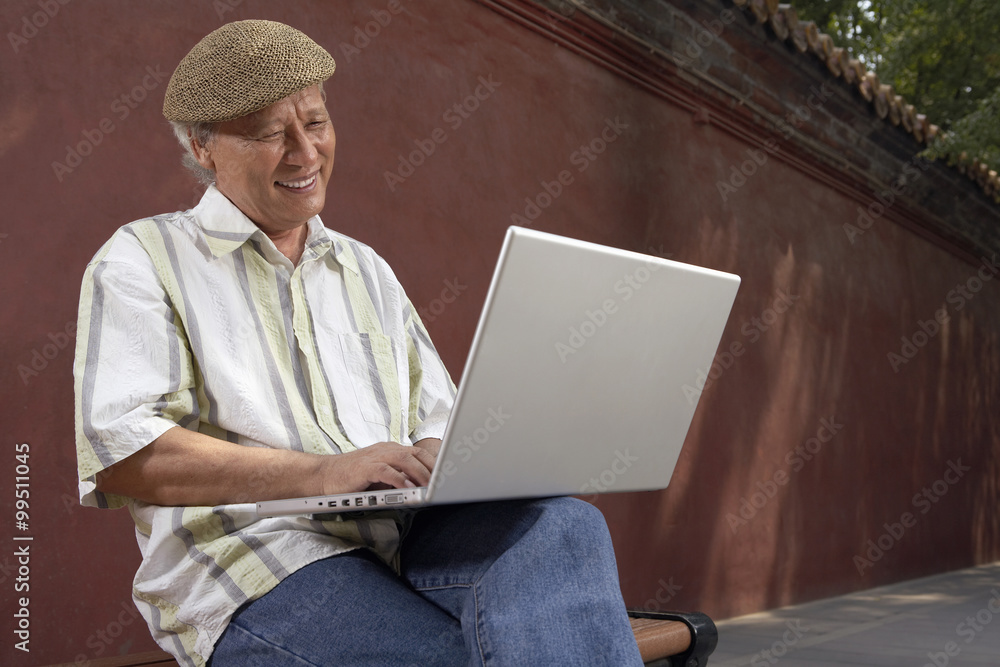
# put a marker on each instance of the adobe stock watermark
(593, 320)
(223, 7)
(581, 158)
(964, 292)
(121, 107)
(101, 639)
(667, 591)
(926, 330)
(968, 629)
(606, 479)
(752, 330)
(449, 293)
(705, 34)
(472, 443)
(41, 356)
(885, 199)
(801, 114)
(740, 174)
(794, 632)
(454, 117)
(32, 23)
(924, 501)
(7, 569)
(365, 35)
(69, 503)
(796, 460)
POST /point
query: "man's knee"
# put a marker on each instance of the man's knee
(578, 518)
(573, 508)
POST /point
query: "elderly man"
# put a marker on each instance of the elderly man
(241, 351)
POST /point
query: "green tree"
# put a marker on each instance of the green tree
(943, 56)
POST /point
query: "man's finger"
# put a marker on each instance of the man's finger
(426, 456)
(391, 476)
(416, 465)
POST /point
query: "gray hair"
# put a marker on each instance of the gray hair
(201, 132)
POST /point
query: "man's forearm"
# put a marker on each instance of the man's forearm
(183, 467)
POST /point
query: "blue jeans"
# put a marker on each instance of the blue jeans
(504, 583)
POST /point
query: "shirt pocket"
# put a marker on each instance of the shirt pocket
(371, 371)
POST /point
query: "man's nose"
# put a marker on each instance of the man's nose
(299, 148)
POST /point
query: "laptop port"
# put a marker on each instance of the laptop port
(332, 503)
(372, 500)
(394, 499)
(359, 501)
(345, 503)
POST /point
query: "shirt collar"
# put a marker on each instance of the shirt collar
(226, 228)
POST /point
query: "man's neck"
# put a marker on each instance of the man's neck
(291, 243)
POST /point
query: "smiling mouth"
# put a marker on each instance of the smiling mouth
(299, 186)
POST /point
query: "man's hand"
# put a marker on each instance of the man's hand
(382, 465)
(432, 445)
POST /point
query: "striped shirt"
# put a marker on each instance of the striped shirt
(196, 319)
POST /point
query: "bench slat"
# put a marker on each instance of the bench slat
(660, 639)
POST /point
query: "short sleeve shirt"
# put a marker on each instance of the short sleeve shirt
(195, 319)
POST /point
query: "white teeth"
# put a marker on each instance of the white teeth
(298, 184)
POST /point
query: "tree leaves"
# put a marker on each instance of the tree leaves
(943, 56)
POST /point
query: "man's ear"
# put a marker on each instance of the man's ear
(202, 154)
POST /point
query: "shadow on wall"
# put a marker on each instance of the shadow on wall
(846, 436)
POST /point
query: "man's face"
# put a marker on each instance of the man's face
(274, 164)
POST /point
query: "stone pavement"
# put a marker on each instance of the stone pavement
(947, 620)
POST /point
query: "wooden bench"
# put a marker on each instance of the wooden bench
(673, 638)
(666, 639)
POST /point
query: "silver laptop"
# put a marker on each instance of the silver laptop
(575, 382)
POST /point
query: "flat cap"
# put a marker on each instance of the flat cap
(243, 67)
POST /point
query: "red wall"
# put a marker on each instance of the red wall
(654, 188)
